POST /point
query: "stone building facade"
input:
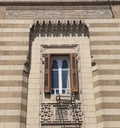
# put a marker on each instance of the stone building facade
(59, 64)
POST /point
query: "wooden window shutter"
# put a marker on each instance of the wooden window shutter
(74, 73)
(47, 82)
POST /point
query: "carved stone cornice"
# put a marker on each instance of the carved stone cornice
(59, 29)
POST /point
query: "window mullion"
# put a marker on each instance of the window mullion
(60, 80)
(60, 75)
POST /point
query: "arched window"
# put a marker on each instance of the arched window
(61, 74)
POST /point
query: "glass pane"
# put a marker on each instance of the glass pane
(63, 91)
(54, 79)
(54, 64)
(64, 64)
(52, 91)
(57, 91)
(65, 80)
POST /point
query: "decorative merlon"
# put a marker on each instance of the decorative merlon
(59, 29)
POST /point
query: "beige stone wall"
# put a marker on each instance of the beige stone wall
(21, 93)
(14, 45)
(43, 45)
(104, 38)
(2, 12)
(104, 42)
(102, 102)
(116, 10)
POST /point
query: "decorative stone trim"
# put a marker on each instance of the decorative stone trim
(71, 113)
(59, 29)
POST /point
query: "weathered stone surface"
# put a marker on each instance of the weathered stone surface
(58, 14)
(2, 12)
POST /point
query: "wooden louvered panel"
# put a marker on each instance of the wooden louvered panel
(47, 79)
(74, 73)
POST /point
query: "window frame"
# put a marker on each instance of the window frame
(74, 82)
(60, 89)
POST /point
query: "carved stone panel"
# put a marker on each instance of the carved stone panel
(54, 114)
(46, 113)
(57, 14)
(63, 112)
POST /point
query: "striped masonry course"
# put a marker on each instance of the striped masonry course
(14, 46)
(105, 53)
